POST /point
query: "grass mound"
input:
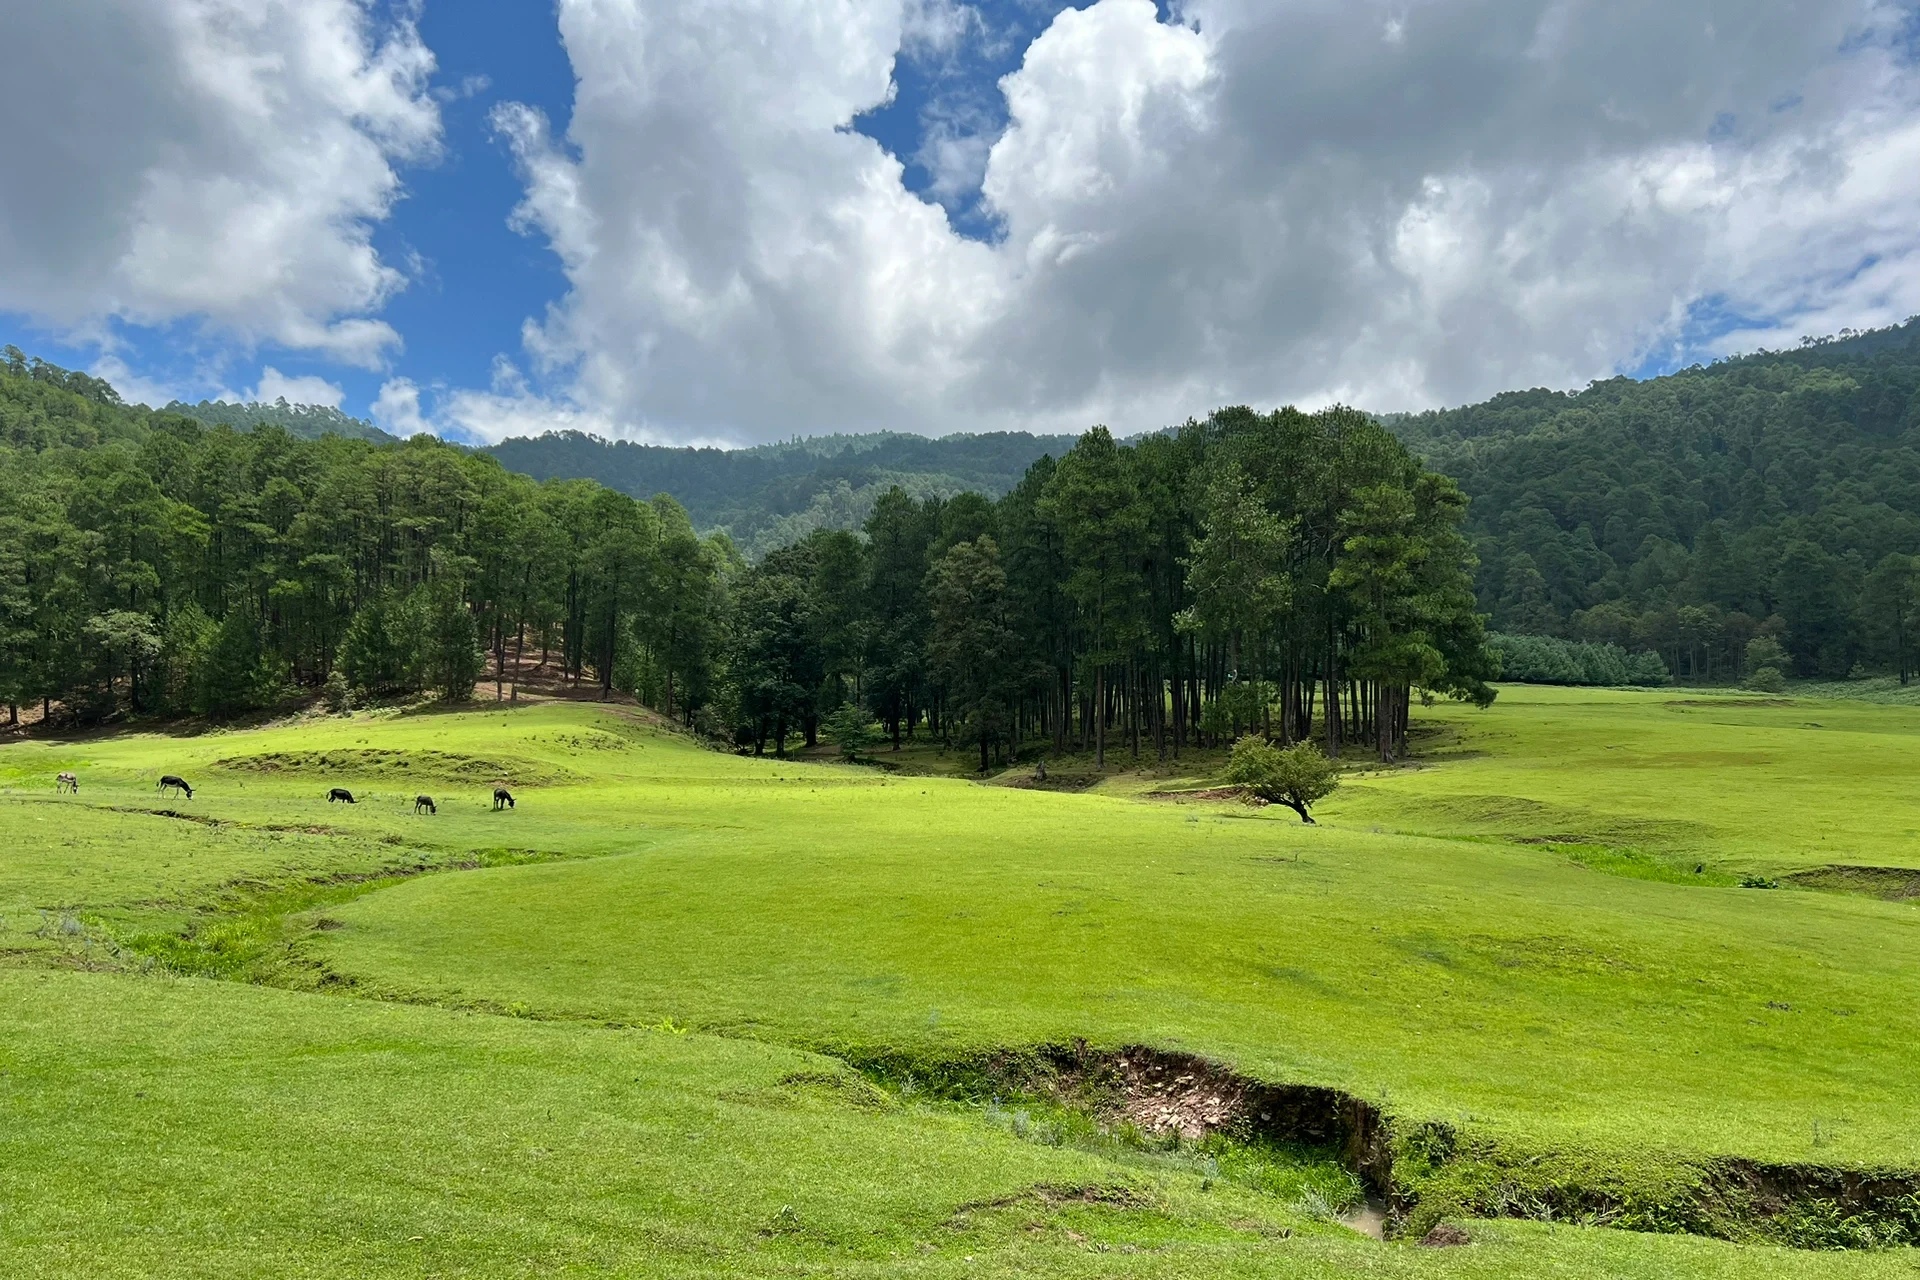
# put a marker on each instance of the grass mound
(419, 765)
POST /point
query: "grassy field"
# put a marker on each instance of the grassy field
(1535, 940)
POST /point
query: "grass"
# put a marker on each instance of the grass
(1589, 1008)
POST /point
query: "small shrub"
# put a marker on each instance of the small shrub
(336, 693)
(851, 731)
(1767, 680)
(1313, 1203)
(1765, 651)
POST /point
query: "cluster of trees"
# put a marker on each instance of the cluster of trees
(1775, 496)
(1300, 574)
(1551, 660)
(152, 563)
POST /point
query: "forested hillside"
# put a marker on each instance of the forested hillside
(306, 421)
(1777, 494)
(769, 496)
(1296, 572)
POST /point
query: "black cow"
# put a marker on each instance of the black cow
(341, 794)
(168, 780)
(424, 802)
(502, 798)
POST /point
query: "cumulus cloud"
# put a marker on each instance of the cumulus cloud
(396, 410)
(1388, 203)
(218, 161)
(296, 389)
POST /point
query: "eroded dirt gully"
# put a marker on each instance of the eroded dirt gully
(1420, 1174)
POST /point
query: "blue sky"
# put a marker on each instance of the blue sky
(1122, 210)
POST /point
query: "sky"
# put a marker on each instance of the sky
(731, 221)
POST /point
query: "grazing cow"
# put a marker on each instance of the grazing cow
(424, 802)
(169, 781)
(67, 782)
(341, 794)
(502, 798)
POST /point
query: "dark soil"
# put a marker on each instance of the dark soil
(1445, 1236)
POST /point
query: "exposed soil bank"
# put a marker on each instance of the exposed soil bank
(1425, 1173)
(1891, 884)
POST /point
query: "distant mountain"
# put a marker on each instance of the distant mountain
(1772, 494)
(768, 496)
(307, 421)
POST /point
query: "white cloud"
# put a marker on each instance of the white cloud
(937, 27)
(216, 161)
(136, 387)
(296, 389)
(396, 410)
(1395, 204)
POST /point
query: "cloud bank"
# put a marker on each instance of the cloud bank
(1389, 203)
(1397, 203)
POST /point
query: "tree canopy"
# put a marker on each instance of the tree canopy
(1299, 573)
(1776, 494)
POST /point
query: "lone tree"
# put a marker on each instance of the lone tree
(1297, 777)
(851, 730)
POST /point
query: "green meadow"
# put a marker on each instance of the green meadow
(681, 1012)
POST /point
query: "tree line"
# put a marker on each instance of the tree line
(1299, 574)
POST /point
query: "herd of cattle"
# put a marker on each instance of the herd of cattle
(70, 782)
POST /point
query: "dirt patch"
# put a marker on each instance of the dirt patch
(1445, 1236)
(1215, 794)
(1889, 884)
(1164, 1094)
(200, 818)
(438, 766)
(1051, 1194)
(1054, 782)
(1567, 839)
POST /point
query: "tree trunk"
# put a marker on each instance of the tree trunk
(1100, 717)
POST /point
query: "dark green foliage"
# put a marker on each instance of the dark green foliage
(380, 653)
(1689, 513)
(149, 563)
(450, 656)
(1550, 660)
(972, 652)
(1299, 572)
(851, 730)
(235, 674)
(775, 659)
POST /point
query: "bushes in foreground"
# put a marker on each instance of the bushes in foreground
(1549, 660)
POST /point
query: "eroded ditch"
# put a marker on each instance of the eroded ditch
(1424, 1174)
